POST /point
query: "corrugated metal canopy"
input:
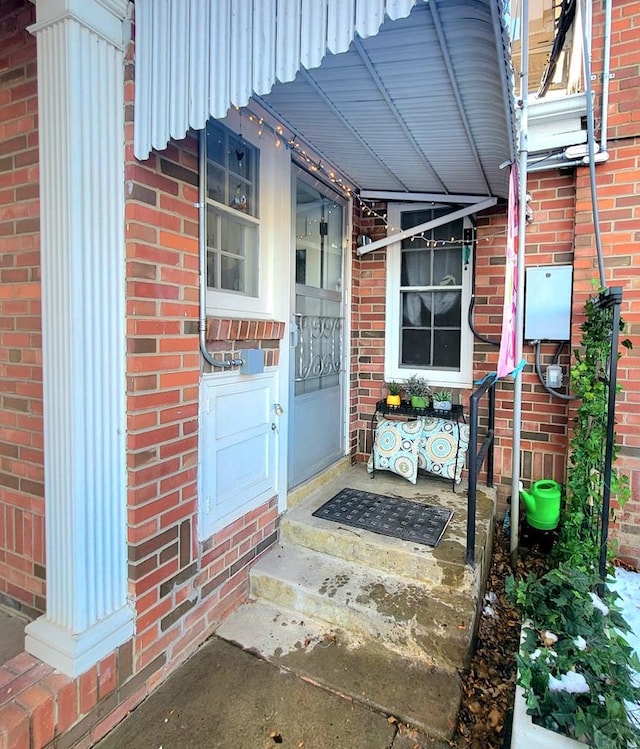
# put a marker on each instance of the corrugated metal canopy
(417, 99)
(420, 107)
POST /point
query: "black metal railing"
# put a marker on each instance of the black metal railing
(478, 455)
(609, 299)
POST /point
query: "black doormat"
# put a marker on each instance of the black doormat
(389, 516)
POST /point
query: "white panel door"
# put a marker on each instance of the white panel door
(238, 447)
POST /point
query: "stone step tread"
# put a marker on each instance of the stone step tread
(335, 577)
(445, 564)
(357, 668)
(405, 559)
(409, 616)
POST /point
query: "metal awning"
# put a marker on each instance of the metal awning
(400, 95)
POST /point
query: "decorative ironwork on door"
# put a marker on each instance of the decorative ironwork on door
(319, 349)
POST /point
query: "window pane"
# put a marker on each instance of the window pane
(241, 157)
(232, 236)
(451, 232)
(447, 267)
(446, 349)
(416, 308)
(212, 270)
(416, 268)
(215, 143)
(231, 273)
(413, 218)
(416, 348)
(242, 198)
(446, 309)
(231, 181)
(216, 184)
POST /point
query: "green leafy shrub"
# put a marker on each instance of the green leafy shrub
(569, 630)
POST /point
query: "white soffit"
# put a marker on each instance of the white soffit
(402, 95)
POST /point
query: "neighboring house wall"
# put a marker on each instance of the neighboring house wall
(22, 573)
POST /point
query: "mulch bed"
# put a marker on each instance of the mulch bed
(484, 721)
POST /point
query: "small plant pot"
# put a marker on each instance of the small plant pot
(442, 405)
(418, 402)
(393, 400)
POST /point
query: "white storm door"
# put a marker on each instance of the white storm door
(317, 404)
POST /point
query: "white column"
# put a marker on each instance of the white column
(81, 132)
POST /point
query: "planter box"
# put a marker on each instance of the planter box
(525, 734)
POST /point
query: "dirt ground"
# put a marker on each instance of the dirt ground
(489, 685)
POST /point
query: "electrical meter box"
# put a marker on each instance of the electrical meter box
(547, 312)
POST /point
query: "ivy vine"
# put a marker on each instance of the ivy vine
(571, 636)
(580, 521)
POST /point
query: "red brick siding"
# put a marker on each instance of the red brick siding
(181, 588)
(226, 337)
(618, 186)
(367, 329)
(544, 418)
(22, 573)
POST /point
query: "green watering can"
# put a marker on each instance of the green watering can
(542, 504)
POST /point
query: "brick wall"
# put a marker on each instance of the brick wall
(181, 588)
(22, 574)
(367, 328)
(544, 417)
(618, 184)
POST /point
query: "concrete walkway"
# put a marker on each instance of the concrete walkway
(226, 697)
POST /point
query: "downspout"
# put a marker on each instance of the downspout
(202, 253)
(522, 223)
(606, 74)
(590, 142)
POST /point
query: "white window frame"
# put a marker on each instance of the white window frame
(439, 378)
(272, 195)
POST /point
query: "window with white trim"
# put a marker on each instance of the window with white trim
(428, 295)
(232, 217)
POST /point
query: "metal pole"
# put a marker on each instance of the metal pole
(522, 222)
(615, 298)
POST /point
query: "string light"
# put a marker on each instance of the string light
(315, 165)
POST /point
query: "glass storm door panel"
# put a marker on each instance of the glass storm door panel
(317, 427)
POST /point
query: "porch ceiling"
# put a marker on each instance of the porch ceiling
(420, 107)
(399, 95)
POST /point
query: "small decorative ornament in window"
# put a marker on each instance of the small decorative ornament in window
(239, 201)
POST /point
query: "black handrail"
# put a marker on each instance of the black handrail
(477, 456)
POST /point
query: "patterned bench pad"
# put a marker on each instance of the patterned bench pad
(435, 445)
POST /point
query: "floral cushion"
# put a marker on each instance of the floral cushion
(444, 448)
(396, 447)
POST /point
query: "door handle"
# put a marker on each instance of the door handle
(295, 333)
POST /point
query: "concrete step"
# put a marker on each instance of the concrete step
(426, 622)
(443, 566)
(359, 669)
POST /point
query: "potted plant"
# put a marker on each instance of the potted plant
(442, 400)
(418, 390)
(394, 388)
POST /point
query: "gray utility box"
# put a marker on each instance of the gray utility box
(252, 361)
(547, 312)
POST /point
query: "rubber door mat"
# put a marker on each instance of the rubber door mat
(389, 516)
